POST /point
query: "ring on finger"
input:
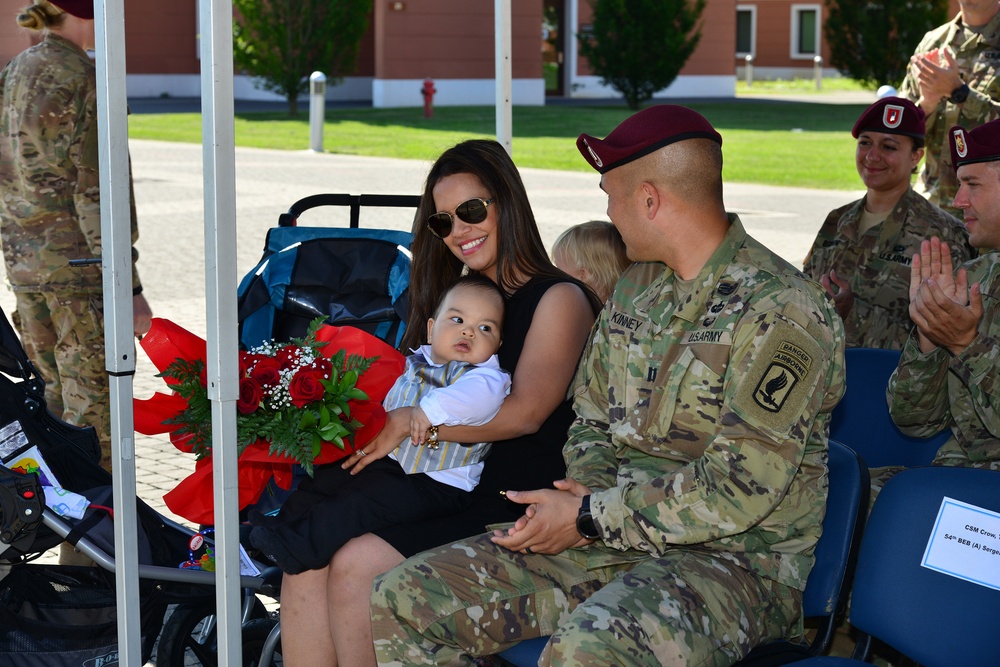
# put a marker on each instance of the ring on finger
(362, 453)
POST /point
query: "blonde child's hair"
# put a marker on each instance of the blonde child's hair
(597, 253)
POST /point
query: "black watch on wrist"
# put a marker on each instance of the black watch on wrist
(585, 521)
(960, 94)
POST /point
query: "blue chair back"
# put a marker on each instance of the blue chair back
(826, 589)
(935, 619)
(862, 422)
(825, 596)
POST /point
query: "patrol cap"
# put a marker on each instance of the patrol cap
(83, 9)
(644, 132)
(892, 115)
(981, 144)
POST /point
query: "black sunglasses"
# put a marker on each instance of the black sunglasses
(472, 212)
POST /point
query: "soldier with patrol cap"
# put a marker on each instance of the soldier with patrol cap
(954, 76)
(862, 252)
(50, 212)
(696, 481)
(949, 372)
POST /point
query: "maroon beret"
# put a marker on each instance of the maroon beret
(83, 9)
(644, 132)
(981, 144)
(892, 115)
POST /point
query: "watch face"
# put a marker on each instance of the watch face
(585, 521)
(960, 94)
(585, 526)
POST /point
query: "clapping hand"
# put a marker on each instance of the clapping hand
(942, 305)
(843, 297)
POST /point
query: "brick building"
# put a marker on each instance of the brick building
(449, 41)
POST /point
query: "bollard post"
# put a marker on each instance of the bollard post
(749, 70)
(818, 67)
(317, 104)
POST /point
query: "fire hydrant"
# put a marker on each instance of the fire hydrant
(428, 92)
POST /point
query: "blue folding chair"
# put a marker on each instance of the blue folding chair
(861, 420)
(932, 617)
(826, 589)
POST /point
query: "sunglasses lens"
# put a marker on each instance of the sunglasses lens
(472, 211)
(440, 224)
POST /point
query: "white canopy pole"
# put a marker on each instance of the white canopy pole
(116, 248)
(503, 73)
(219, 159)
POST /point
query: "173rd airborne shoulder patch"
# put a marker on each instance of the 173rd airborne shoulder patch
(781, 378)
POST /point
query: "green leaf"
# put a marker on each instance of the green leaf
(356, 394)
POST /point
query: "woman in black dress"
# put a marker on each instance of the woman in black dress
(474, 213)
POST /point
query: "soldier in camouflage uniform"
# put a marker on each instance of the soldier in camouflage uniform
(954, 77)
(862, 252)
(50, 213)
(949, 373)
(696, 479)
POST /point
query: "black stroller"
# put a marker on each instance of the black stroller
(66, 615)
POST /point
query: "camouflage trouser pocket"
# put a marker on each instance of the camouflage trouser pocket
(63, 336)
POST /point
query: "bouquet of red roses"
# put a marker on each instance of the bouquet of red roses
(312, 401)
(291, 396)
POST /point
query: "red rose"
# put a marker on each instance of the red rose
(250, 395)
(266, 371)
(324, 366)
(286, 356)
(305, 387)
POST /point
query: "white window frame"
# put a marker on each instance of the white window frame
(794, 46)
(753, 30)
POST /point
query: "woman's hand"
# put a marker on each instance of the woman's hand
(396, 429)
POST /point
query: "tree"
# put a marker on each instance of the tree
(282, 42)
(873, 41)
(639, 46)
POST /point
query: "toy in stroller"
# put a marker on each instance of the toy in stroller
(53, 490)
(352, 276)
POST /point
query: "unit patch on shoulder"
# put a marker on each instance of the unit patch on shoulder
(776, 386)
(788, 367)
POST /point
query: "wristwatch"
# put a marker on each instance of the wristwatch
(585, 521)
(960, 94)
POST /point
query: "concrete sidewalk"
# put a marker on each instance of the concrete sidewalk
(168, 184)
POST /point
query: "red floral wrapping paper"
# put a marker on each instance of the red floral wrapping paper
(192, 498)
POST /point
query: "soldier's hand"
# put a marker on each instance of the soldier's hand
(142, 315)
(936, 79)
(551, 527)
(843, 296)
(942, 319)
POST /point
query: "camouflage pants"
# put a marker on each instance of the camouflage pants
(63, 335)
(473, 598)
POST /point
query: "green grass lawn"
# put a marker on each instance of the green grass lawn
(769, 142)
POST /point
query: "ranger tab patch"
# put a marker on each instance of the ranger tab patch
(789, 366)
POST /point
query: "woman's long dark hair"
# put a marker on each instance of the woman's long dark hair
(521, 254)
